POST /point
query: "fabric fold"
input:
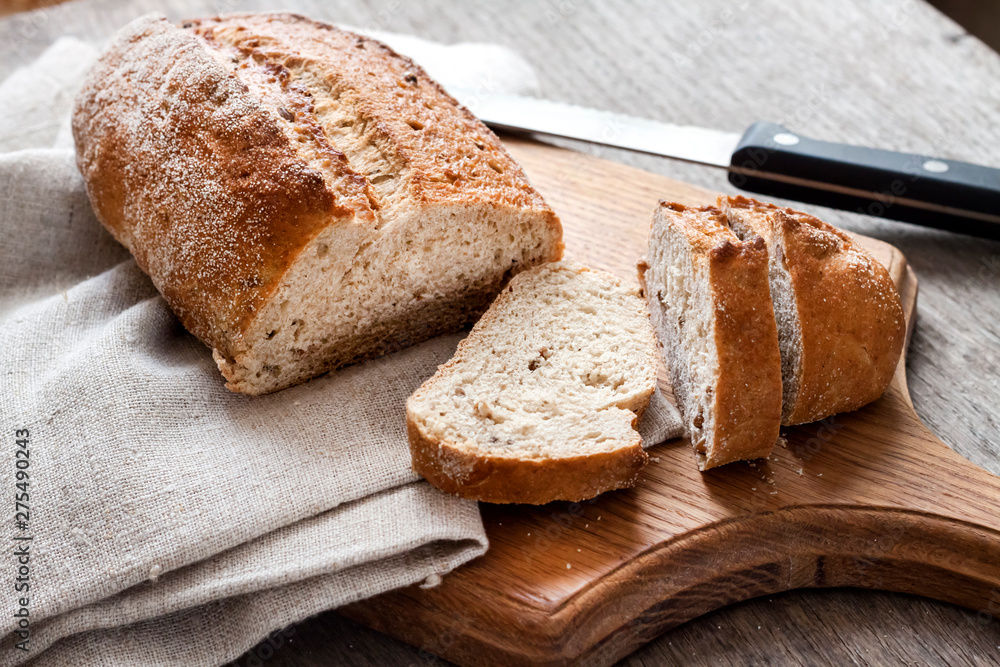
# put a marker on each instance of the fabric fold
(173, 522)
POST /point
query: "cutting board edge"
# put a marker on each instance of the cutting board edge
(424, 617)
(767, 566)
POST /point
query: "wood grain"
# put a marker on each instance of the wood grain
(868, 499)
(889, 73)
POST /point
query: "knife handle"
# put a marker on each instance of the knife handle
(934, 192)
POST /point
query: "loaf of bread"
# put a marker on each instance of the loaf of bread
(303, 197)
(840, 321)
(710, 305)
(541, 401)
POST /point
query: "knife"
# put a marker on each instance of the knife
(772, 160)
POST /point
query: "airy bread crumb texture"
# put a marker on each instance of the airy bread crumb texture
(683, 315)
(540, 402)
(432, 272)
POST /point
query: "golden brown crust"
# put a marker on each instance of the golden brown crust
(700, 225)
(193, 142)
(748, 392)
(195, 178)
(495, 479)
(747, 401)
(450, 154)
(849, 311)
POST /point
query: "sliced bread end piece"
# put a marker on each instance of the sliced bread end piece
(541, 400)
(840, 320)
(710, 305)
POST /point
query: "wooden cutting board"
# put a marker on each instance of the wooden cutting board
(869, 499)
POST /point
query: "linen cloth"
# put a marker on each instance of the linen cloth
(171, 521)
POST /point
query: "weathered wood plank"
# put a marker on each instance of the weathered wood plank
(893, 74)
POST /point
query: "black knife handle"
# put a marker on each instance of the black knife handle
(962, 197)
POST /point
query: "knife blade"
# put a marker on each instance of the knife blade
(772, 160)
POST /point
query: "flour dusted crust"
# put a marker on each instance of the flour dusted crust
(283, 183)
(766, 315)
(849, 317)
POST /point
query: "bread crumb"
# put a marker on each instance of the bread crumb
(469, 407)
(568, 566)
(819, 474)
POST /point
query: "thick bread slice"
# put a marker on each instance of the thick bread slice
(840, 320)
(303, 197)
(711, 309)
(541, 400)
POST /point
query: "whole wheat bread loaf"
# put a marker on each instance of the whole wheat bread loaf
(302, 196)
(541, 400)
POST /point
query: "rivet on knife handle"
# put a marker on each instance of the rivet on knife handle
(929, 191)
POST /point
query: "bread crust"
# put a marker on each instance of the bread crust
(205, 159)
(748, 392)
(496, 479)
(214, 242)
(850, 314)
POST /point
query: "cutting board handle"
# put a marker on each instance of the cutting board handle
(939, 537)
(800, 547)
(869, 499)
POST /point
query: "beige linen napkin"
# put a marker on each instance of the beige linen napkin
(171, 521)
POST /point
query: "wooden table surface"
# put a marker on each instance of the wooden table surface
(893, 74)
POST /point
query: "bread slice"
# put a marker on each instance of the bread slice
(840, 321)
(302, 196)
(541, 400)
(711, 309)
